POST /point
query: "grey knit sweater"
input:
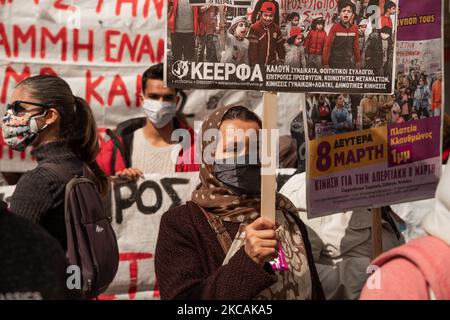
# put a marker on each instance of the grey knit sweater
(39, 194)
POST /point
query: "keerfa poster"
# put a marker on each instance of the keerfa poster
(271, 45)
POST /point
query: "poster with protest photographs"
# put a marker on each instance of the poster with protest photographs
(281, 45)
(374, 150)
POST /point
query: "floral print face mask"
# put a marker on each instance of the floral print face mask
(20, 132)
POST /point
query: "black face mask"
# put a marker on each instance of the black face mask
(240, 178)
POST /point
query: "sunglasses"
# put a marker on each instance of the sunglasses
(18, 110)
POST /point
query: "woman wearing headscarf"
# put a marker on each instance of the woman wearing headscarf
(196, 256)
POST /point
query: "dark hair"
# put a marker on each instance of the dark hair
(292, 15)
(316, 22)
(388, 5)
(241, 113)
(291, 40)
(347, 3)
(155, 72)
(77, 123)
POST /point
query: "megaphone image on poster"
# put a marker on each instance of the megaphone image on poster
(276, 45)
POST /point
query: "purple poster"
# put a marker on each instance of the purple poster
(371, 151)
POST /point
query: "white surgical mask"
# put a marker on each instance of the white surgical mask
(384, 36)
(159, 113)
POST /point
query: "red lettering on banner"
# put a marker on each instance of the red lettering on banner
(306, 15)
(138, 90)
(147, 49)
(5, 1)
(91, 86)
(60, 36)
(132, 2)
(77, 46)
(99, 6)
(137, 49)
(134, 257)
(159, 5)
(146, 6)
(10, 72)
(118, 88)
(48, 71)
(131, 47)
(109, 45)
(18, 35)
(59, 4)
(4, 40)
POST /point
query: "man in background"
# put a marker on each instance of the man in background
(144, 145)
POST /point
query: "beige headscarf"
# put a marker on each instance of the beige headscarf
(217, 199)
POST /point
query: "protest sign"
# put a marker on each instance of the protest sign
(384, 149)
(136, 209)
(301, 46)
(99, 47)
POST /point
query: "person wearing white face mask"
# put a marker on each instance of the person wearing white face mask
(144, 145)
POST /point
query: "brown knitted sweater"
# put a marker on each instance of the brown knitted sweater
(188, 261)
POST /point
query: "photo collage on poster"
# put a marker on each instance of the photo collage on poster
(279, 45)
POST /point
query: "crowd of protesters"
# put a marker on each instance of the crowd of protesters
(215, 246)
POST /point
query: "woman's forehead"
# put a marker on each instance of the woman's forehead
(237, 130)
(237, 124)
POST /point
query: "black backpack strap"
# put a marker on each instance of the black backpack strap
(117, 145)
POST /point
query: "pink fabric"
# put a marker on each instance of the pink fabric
(407, 272)
(280, 264)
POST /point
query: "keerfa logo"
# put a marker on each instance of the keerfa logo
(217, 71)
(180, 69)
